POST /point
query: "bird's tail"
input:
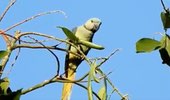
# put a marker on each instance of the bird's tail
(67, 87)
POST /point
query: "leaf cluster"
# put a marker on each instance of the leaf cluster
(6, 93)
(146, 45)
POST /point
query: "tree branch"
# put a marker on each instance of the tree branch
(163, 5)
(52, 80)
(41, 47)
(43, 35)
(124, 97)
(107, 58)
(33, 17)
(12, 2)
(56, 58)
(6, 58)
(53, 38)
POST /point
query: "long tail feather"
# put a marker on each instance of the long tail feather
(67, 87)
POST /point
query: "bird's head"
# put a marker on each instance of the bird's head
(93, 24)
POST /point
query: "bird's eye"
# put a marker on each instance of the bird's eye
(92, 21)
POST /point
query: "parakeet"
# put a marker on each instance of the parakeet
(83, 32)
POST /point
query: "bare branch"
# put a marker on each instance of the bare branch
(124, 97)
(57, 59)
(41, 47)
(10, 36)
(33, 42)
(53, 80)
(106, 58)
(12, 2)
(43, 35)
(6, 58)
(16, 57)
(98, 98)
(42, 84)
(163, 5)
(52, 37)
(33, 17)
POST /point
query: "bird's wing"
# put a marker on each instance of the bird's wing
(68, 46)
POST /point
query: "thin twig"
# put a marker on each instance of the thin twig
(163, 5)
(42, 84)
(112, 85)
(80, 80)
(52, 80)
(98, 98)
(33, 42)
(104, 60)
(52, 37)
(100, 78)
(97, 58)
(17, 55)
(57, 59)
(33, 17)
(10, 36)
(109, 96)
(43, 35)
(41, 47)
(12, 2)
(6, 58)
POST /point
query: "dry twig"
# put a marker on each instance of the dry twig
(12, 2)
(33, 17)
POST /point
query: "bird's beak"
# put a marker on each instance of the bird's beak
(97, 26)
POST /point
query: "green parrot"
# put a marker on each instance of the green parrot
(84, 32)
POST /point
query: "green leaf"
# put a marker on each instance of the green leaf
(4, 84)
(16, 95)
(91, 45)
(102, 93)
(147, 45)
(3, 53)
(165, 56)
(69, 34)
(165, 50)
(91, 76)
(165, 17)
(103, 90)
(93, 72)
(12, 96)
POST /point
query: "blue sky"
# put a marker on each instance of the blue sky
(141, 76)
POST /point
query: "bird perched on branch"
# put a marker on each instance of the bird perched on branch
(84, 32)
